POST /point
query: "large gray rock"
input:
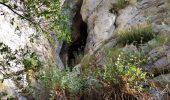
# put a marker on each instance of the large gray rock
(18, 34)
(155, 11)
(100, 21)
(159, 60)
(162, 83)
(163, 80)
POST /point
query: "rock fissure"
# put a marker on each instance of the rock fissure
(70, 52)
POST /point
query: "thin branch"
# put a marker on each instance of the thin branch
(26, 18)
(17, 13)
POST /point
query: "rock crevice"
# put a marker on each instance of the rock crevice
(71, 51)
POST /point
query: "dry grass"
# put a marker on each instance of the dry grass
(138, 34)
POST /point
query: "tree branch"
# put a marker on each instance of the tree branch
(17, 13)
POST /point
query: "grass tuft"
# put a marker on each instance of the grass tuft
(138, 34)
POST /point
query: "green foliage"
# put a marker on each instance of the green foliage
(31, 61)
(121, 4)
(129, 69)
(2, 94)
(125, 69)
(59, 18)
(7, 55)
(138, 34)
(5, 1)
(46, 15)
(9, 59)
(161, 39)
(69, 81)
(72, 82)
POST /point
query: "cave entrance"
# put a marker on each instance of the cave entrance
(71, 53)
(76, 49)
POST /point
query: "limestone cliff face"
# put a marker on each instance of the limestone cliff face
(18, 34)
(94, 24)
(100, 20)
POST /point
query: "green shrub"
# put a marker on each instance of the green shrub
(3, 94)
(130, 69)
(72, 82)
(160, 40)
(53, 17)
(6, 56)
(121, 4)
(138, 34)
(31, 61)
(125, 70)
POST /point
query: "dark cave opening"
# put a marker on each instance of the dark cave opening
(71, 52)
(77, 47)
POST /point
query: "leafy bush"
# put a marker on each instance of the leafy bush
(72, 82)
(161, 39)
(130, 71)
(125, 70)
(31, 61)
(6, 55)
(138, 34)
(121, 4)
(46, 15)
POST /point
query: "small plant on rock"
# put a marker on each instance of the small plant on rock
(121, 4)
(31, 61)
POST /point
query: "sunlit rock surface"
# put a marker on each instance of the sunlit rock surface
(18, 34)
(100, 21)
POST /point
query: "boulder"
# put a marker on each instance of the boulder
(100, 21)
(159, 60)
(162, 87)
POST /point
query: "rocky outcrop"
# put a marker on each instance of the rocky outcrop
(155, 11)
(162, 91)
(103, 20)
(159, 61)
(94, 25)
(19, 35)
(100, 21)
